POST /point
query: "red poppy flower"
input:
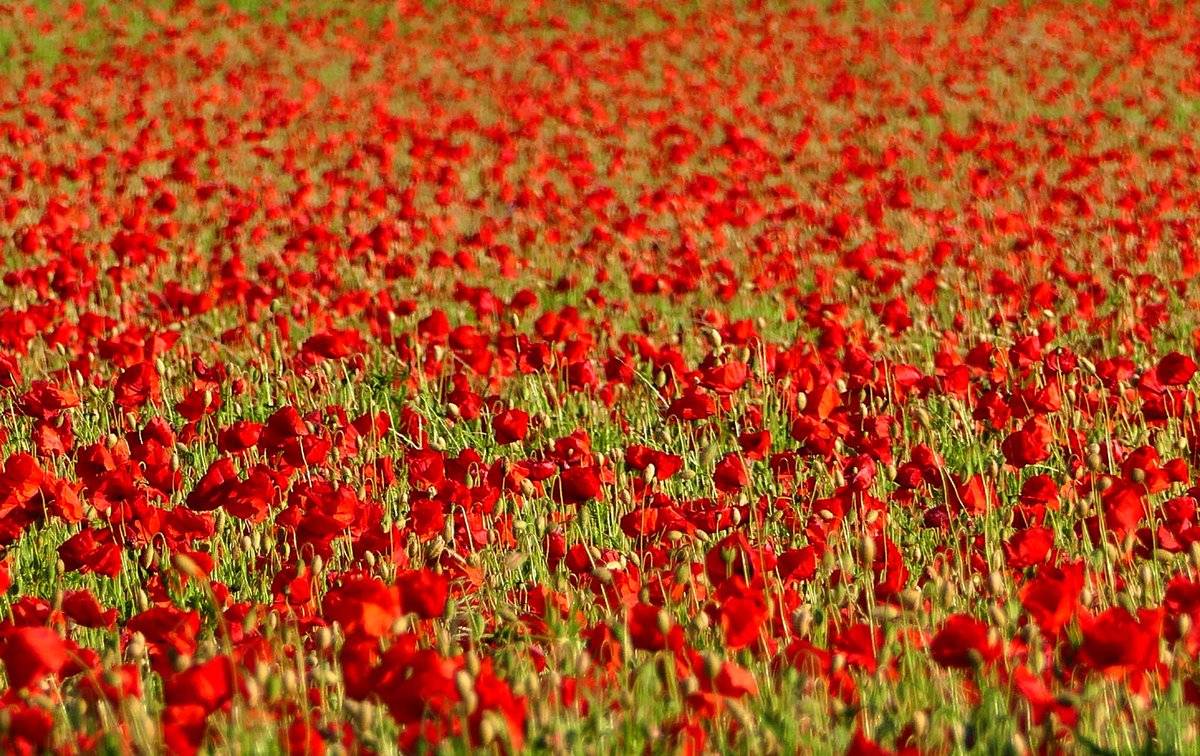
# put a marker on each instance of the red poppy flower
(963, 642)
(578, 485)
(510, 426)
(30, 654)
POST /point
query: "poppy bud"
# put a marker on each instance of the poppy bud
(490, 727)
(996, 582)
(664, 621)
(801, 401)
(920, 723)
(868, 550)
(998, 615)
(135, 651)
(802, 621)
(291, 682)
(253, 691)
(649, 474)
(838, 663)
(885, 613)
(464, 682)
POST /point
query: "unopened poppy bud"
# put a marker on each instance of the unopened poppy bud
(489, 730)
(838, 663)
(801, 401)
(135, 651)
(999, 615)
(996, 582)
(253, 691)
(885, 613)
(664, 621)
(689, 685)
(464, 682)
(802, 621)
(868, 550)
(291, 682)
(920, 723)
(712, 664)
(603, 575)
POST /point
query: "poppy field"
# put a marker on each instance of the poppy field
(741, 376)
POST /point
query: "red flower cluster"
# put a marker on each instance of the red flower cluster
(765, 377)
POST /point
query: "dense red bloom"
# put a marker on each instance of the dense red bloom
(91, 550)
(368, 355)
(83, 609)
(1117, 643)
(730, 474)
(1029, 445)
(423, 592)
(137, 386)
(30, 654)
(1175, 369)
(208, 685)
(1028, 547)
(363, 606)
(963, 642)
(510, 426)
(648, 626)
(1052, 597)
(578, 485)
